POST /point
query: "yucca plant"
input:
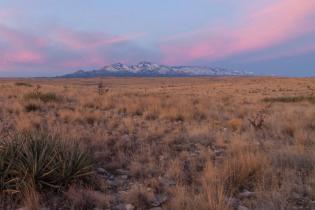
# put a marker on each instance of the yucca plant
(73, 164)
(46, 161)
(9, 178)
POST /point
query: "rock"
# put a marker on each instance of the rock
(161, 198)
(122, 172)
(105, 173)
(167, 182)
(125, 138)
(124, 177)
(233, 202)
(218, 152)
(242, 208)
(101, 171)
(129, 207)
(246, 194)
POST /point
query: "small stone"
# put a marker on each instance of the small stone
(246, 194)
(100, 170)
(167, 182)
(162, 198)
(234, 202)
(130, 207)
(218, 152)
(122, 172)
(242, 208)
(124, 176)
(125, 138)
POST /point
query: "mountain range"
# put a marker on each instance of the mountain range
(148, 69)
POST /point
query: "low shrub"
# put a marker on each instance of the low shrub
(44, 97)
(25, 84)
(291, 99)
(32, 107)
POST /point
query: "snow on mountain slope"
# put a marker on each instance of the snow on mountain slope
(152, 69)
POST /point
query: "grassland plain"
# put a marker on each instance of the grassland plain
(158, 143)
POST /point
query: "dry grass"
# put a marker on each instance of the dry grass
(174, 143)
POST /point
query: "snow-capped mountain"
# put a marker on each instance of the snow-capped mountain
(152, 69)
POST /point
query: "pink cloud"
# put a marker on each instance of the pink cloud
(24, 56)
(62, 48)
(84, 40)
(270, 26)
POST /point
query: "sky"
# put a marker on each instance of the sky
(51, 37)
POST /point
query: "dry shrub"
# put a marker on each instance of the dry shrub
(201, 134)
(243, 170)
(32, 107)
(44, 97)
(175, 170)
(210, 195)
(235, 124)
(290, 99)
(216, 197)
(182, 199)
(85, 199)
(23, 84)
(140, 197)
(31, 198)
(302, 162)
(172, 114)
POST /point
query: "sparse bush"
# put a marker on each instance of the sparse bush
(32, 107)
(258, 121)
(25, 84)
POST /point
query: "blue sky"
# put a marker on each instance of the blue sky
(47, 38)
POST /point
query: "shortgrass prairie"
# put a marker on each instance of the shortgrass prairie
(157, 143)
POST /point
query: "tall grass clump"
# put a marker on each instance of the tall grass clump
(24, 84)
(43, 161)
(44, 97)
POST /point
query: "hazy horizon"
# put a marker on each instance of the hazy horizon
(45, 38)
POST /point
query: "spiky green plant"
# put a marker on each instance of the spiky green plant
(9, 178)
(45, 160)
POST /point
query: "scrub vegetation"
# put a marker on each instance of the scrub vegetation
(157, 143)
